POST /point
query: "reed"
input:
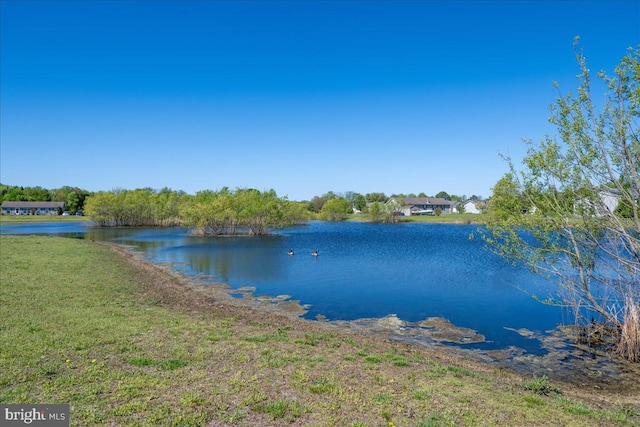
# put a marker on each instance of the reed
(629, 345)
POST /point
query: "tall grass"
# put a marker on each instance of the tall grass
(629, 345)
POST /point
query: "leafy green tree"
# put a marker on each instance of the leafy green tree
(72, 202)
(140, 207)
(575, 238)
(443, 195)
(360, 202)
(376, 197)
(375, 212)
(335, 209)
(508, 199)
(226, 212)
(316, 204)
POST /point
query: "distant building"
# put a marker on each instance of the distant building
(609, 200)
(424, 205)
(475, 206)
(32, 208)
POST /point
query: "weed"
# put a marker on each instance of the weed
(314, 339)
(192, 399)
(436, 420)
(459, 372)
(172, 364)
(399, 361)
(280, 335)
(421, 395)
(541, 386)
(322, 385)
(218, 335)
(533, 399)
(257, 338)
(373, 359)
(285, 409)
(575, 408)
(141, 361)
(382, 399)
(349, 341)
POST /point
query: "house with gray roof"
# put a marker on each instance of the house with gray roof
(32, 208)
(424, 205)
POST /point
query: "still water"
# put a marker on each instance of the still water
(415, 271)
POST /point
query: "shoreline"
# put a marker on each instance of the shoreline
(172, 288)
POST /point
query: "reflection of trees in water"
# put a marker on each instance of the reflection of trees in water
(239, 263)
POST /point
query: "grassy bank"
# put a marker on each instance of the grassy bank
(127, 343)
(18, 219)
(429, 219)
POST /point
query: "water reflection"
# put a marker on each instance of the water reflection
(234, 260)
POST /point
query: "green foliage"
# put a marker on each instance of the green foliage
(376, 197)
(541, 386)
(135, 208)
(508, 199)
(172, 364)
(385, 212)
(335, 209)
(208, 212)
(225, 212)
(572, 233)
(360, 202)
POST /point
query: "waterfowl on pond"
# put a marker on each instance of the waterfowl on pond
(290, 251)
(315, 253)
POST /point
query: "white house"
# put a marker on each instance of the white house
(474, 206)
(424, 205)
(609, 198)
(32, 208)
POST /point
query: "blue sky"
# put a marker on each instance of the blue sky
(301, 97)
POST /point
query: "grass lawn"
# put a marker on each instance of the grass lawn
(429, 219)
(17, 219)
(130, 344)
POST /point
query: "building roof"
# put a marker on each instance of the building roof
(32, 205)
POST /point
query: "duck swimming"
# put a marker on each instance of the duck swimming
(290, 251)
(315, 253)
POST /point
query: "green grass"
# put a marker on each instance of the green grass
(429, 219)
(80, 325)
(17, 219)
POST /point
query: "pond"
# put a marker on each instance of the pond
(363, 271)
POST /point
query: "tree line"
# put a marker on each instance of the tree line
(212, 212)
